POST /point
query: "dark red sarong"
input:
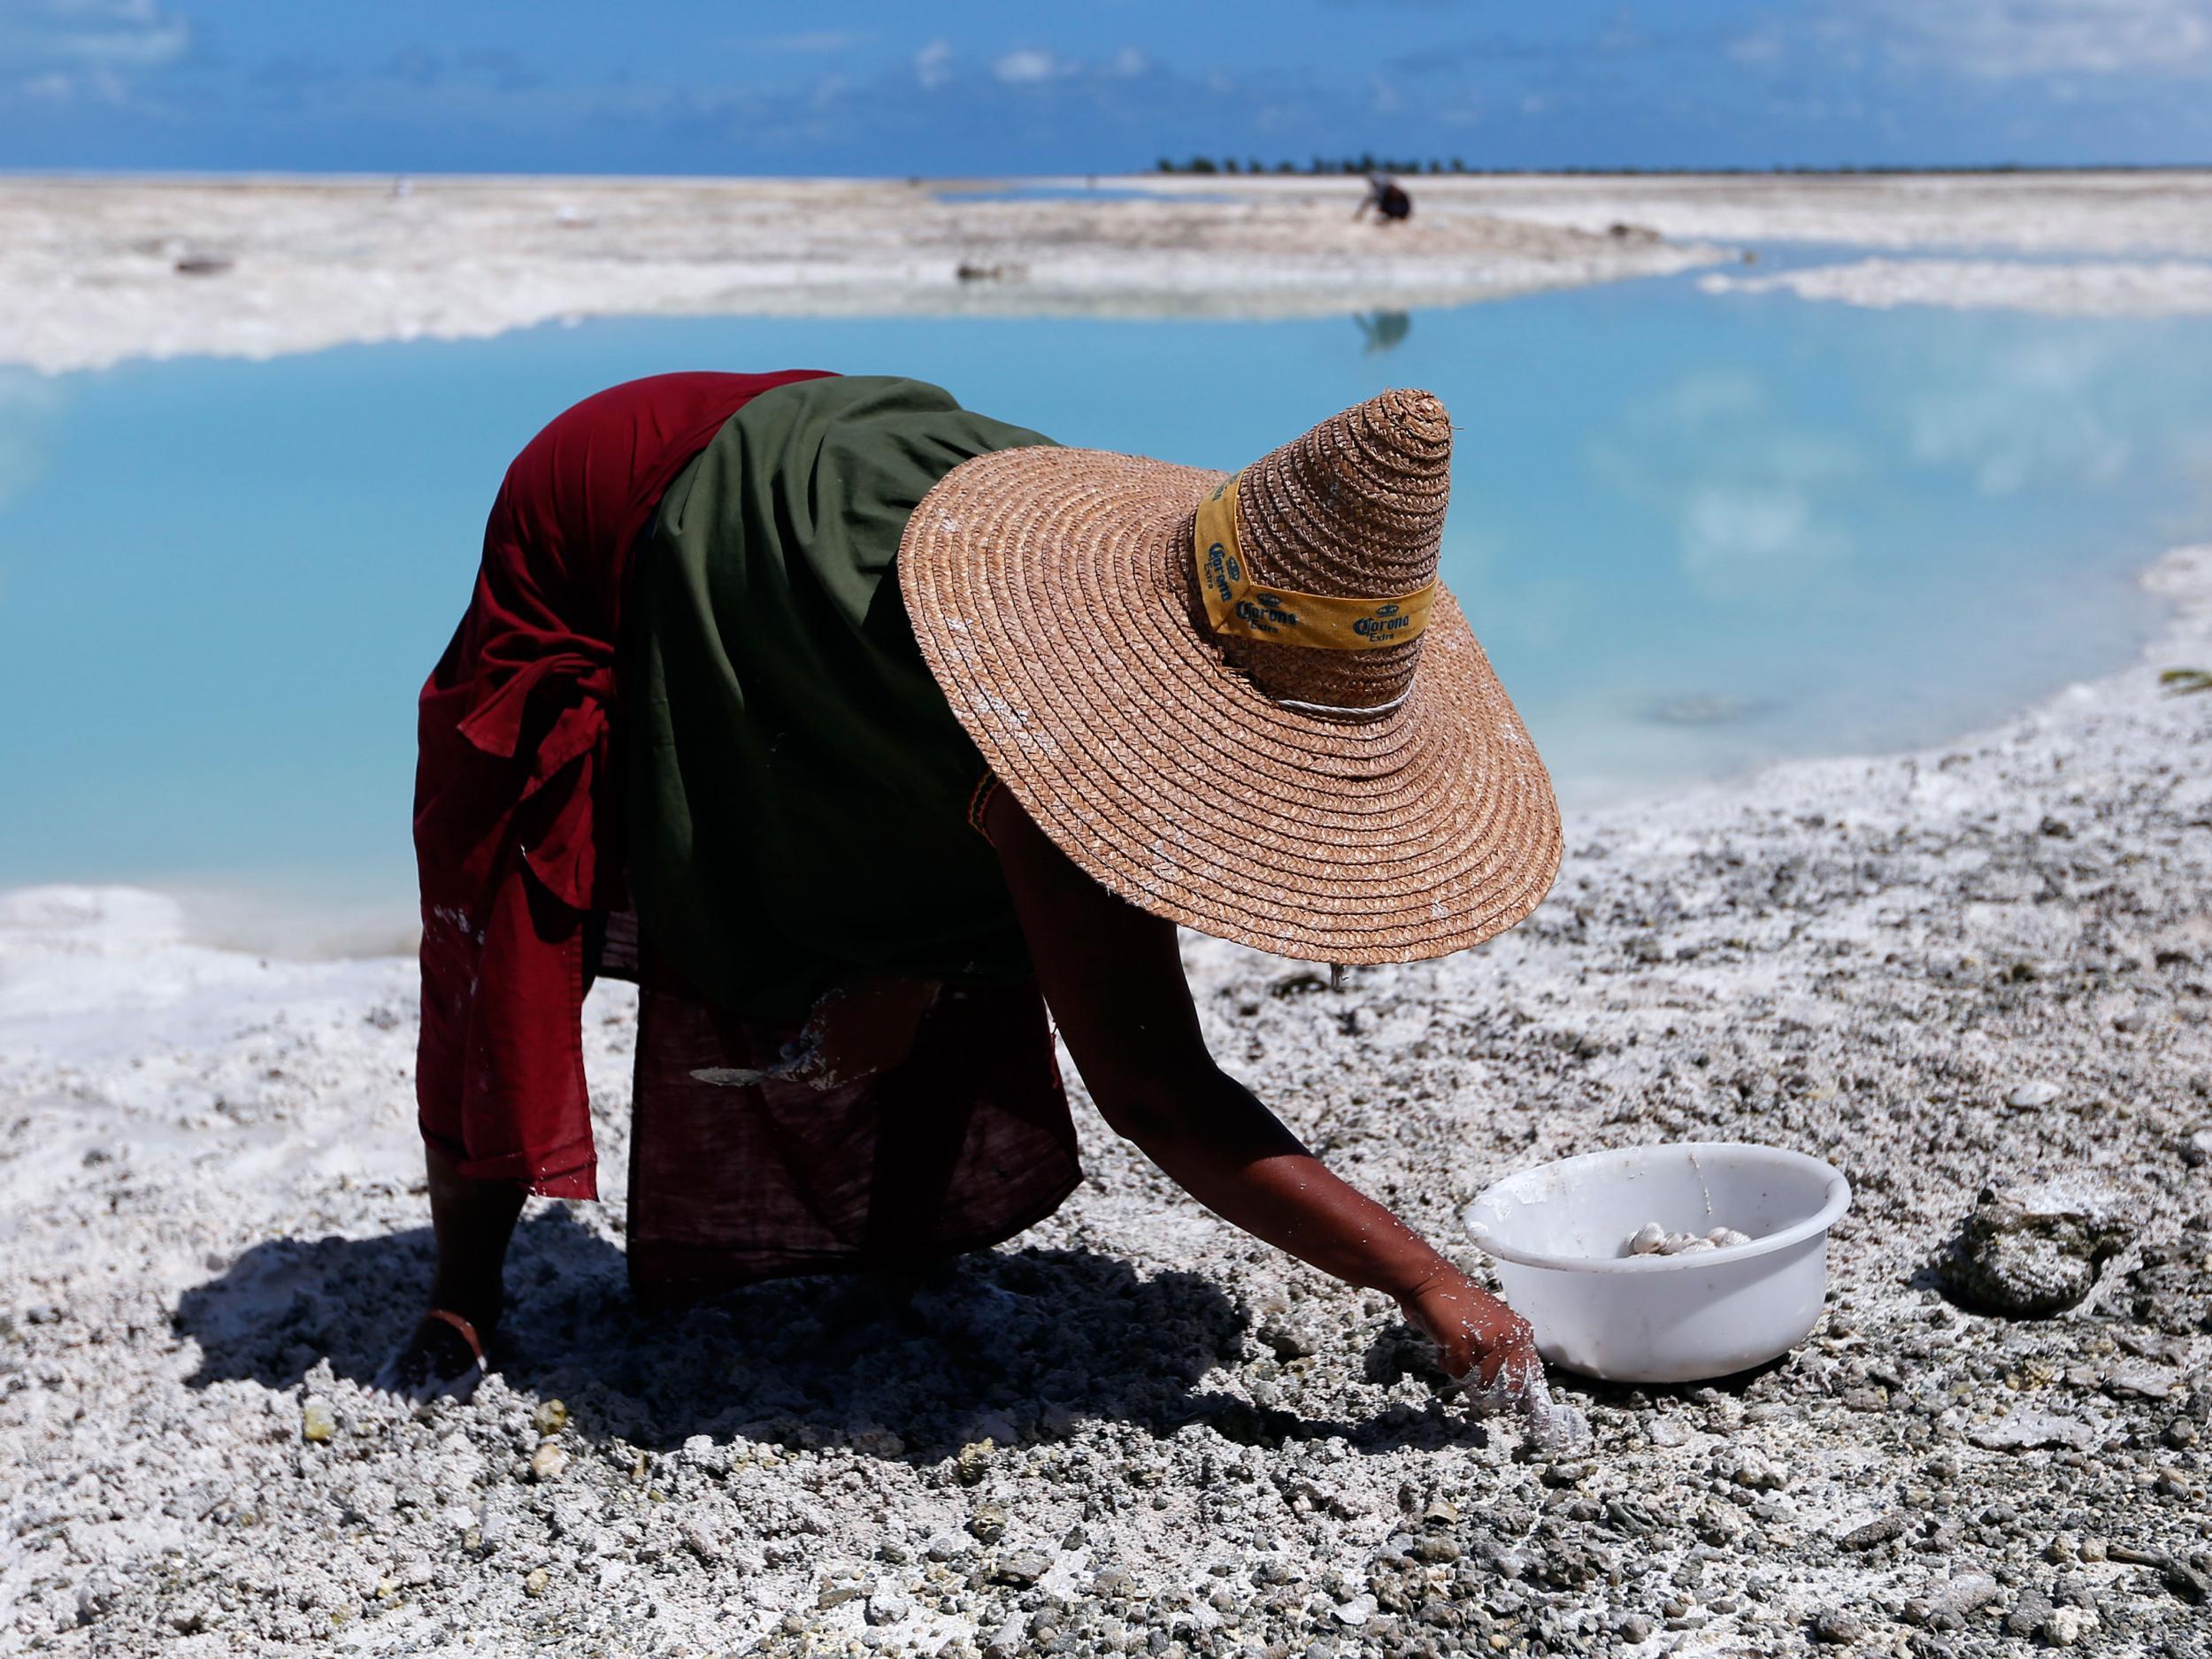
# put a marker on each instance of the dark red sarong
(517, 811)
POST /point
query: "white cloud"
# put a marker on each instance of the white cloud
(1129, 61)
(82, 86)
(110, 34)
(932, 66)
(815, 41)
(1763, 45)
(1026, 67)
(83, 51)
(126, 48)
(2006, 39)
(1998, 40)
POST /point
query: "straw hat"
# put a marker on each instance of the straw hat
(1243, 704)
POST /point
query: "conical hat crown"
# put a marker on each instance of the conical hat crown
(1245, 705)
(1353, 511)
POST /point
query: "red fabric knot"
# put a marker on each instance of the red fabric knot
(515, 730)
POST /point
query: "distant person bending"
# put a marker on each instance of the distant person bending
(859, 729)
(1388, 197)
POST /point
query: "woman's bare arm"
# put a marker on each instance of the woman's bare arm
(1113, 977)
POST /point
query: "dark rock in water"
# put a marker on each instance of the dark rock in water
(2030, 1251)
(202, 265)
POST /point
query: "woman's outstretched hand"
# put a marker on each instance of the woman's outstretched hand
(1490, 1351)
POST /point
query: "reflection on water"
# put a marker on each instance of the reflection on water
(29, 406)
(1383, 330)
(1694, 532)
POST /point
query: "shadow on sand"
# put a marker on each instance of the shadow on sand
(1011, 1344)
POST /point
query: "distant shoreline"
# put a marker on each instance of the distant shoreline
(99, 269)
(1871, 170)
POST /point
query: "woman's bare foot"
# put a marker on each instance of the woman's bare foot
(443, 1358)
(474, 1220)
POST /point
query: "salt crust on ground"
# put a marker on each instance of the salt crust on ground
(2109, 214)
(1134, 1428)
(89, 268)
(2167, 288)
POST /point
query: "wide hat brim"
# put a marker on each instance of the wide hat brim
(1053, 593)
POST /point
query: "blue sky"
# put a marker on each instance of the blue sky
(688, 86)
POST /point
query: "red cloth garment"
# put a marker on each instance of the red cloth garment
(515, 806)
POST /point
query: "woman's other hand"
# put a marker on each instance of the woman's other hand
(855, 1032)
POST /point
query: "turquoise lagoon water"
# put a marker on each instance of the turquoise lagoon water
(1695, 532)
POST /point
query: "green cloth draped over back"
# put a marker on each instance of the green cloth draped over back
(798, 788)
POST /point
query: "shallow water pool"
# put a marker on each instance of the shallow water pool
(1695, 532)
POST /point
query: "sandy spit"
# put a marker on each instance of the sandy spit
(93, 272)
(2087, 213)
(1133, 1430)
(2120, 288)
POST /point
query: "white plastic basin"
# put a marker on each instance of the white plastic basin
(1559, 1234)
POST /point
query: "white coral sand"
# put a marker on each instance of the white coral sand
(211, 1225)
